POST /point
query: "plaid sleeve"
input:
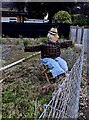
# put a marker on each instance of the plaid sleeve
(66, 44)
(33, 48)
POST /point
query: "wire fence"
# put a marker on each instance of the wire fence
(65, 102)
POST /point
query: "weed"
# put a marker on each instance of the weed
(40, 40)
(26, 42)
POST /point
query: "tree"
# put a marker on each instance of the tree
(40, 9)
(62, 17)
(85, 9)
(36, 10)
(80, 13)
(81, 8)
(80, 19)
(20, 6)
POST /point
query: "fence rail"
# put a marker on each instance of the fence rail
(19, 61)
(65, 102)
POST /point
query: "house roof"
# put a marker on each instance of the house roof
(13, 13)
(8, 4)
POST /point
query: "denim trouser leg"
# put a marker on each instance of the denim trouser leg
(54, 67)
(62, 63)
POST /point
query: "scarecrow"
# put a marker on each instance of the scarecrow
(50, 53)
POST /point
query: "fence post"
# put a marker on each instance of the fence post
(74, 52)
(76, 35)
(87, 111)
(82, 33)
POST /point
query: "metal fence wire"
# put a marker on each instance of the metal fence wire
(65, 102)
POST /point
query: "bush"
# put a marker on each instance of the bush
(62, 17)
(26, 42)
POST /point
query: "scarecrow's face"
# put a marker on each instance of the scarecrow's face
(55, 37)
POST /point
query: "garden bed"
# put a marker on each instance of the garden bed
(25, 89)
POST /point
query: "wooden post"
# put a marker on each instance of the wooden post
(22, 19)
(18, 19)
(45, 72)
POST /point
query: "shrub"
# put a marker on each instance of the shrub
(62, 17)
(26, 42)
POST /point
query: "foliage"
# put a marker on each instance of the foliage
(40, 40)
(7, 36)
(26, 42)
(0, 40)
(62, 17)
(21, 36)
(80, 19)
(40, 9)
(84, 8)
(3, 40)
(3, 35)
(17, 42)
(19, 6)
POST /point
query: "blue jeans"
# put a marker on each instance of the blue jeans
(57, 66)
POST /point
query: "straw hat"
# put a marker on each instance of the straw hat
(53, 31)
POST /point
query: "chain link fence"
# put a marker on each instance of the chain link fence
(65, 102)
